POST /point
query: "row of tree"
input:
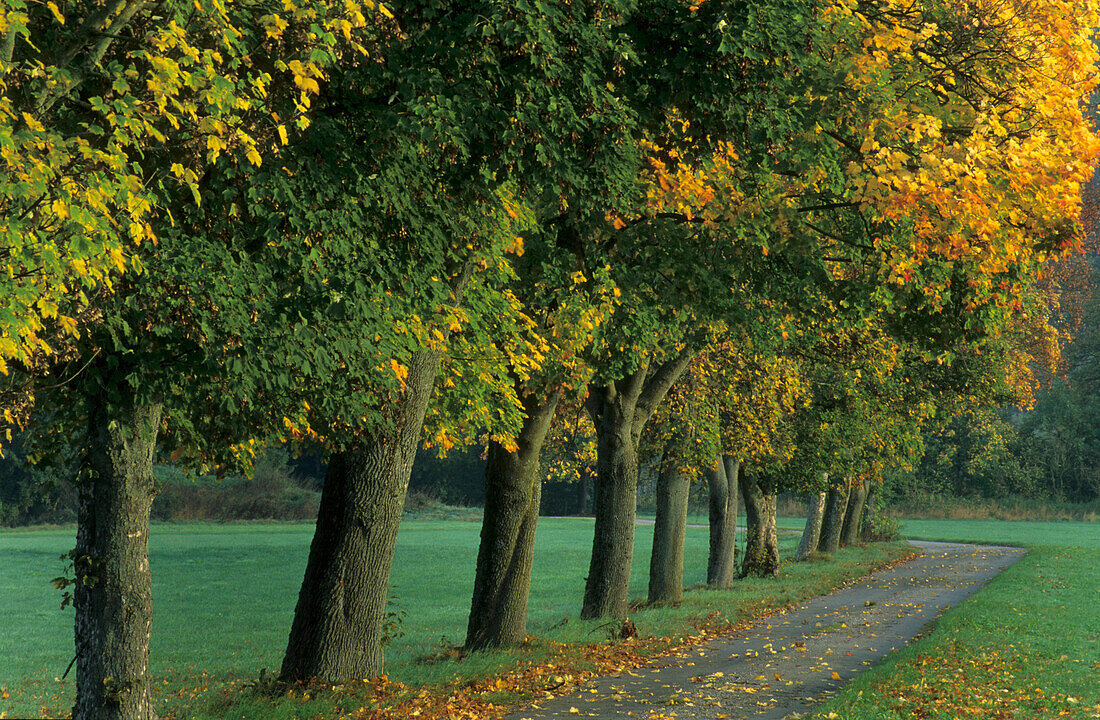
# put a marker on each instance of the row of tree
(757, 240)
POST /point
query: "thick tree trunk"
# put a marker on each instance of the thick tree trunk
(619, 411)
(853, 516)
(513, 489)
(762, 541)
(835, 505)
(607, 585)
(722, 486)
(811, 535)
(666, 563)
(113, 592)
(339, 622)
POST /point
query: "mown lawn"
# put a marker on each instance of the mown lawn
(224, 596)
(1025, 646)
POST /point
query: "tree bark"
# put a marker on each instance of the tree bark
(513, 489)
(722, 486)
(762, 541)
(113, 592)
(811, 535)
(867, 524)
(619, 412)
(666, 563)
(835, 505)
(616, 501)
(583, 487)
(849, 535)
(338, 631)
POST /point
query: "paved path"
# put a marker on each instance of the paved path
(786, 663)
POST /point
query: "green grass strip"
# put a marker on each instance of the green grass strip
(224, 596)
(1025, 646)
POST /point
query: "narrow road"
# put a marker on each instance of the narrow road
(788, 662)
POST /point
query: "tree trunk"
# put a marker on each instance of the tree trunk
(583, 487)
(762, 541)
(620, 410)
(113, 592)
(854, 515)
(607, 585)
(513, 489)
(812, 534)
(666, 563)
(722, 484)
(835, 505)
(339, 623)
(867, 525)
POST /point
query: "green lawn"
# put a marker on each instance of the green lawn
(224, 595)
(1004, 532)
(1027, 645)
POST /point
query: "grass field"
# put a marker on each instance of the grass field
(224, 595)
(1027, 645)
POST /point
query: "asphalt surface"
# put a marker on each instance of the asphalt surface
(784, 664)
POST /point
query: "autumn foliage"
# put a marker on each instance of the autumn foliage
(789, 233)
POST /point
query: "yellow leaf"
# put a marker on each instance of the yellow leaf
(32, 123)
(836, 676)
(56, 13)
(307, 84)
(68, 324)
(60, 209)
(400, 371)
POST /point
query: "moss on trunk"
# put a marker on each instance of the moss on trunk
(811, 535)
(762, 540)
(513, 489)
(722, 488)
(339, 622)
(113, 592)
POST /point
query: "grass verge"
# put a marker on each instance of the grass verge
(224, 595)
(1025, 646)
(482, 685)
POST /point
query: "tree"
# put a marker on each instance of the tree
(723, 485)
(678, 442)
(732, 406)
(619, 410)
(566, 314)
(811, 534)
(92, 92)
(114, 116)
(526, 111)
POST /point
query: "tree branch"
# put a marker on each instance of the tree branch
(7, 51)
(829, 206)
(126, 9)
(657, 386)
